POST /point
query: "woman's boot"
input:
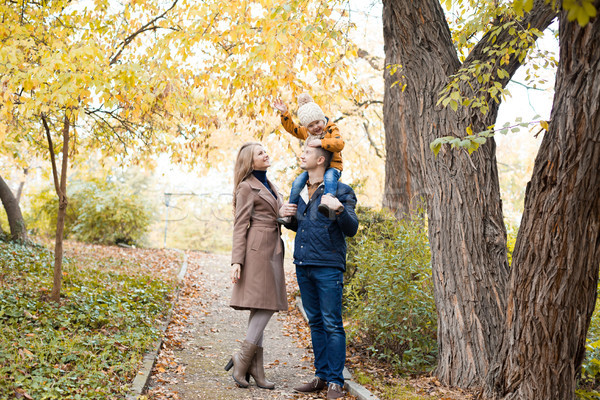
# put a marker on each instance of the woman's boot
(241, 363)
(257, 370)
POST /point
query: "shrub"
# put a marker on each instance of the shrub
(511, 240)
(589, 382)
(99, 211)
(389, 292)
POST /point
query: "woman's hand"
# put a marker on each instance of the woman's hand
(280, 105)
(236, 272)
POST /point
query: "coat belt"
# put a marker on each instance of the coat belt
(264, 224)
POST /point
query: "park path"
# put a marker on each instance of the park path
(205, 331)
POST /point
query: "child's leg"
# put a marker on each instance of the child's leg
(297, 187)
(330, 180)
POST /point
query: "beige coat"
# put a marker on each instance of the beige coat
(258, 247)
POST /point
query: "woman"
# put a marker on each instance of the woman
(257, 259)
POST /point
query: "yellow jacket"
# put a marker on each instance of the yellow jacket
(331, 140)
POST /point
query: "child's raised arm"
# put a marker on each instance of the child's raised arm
(287, 122)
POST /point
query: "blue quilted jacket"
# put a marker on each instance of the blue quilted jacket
(320, 241)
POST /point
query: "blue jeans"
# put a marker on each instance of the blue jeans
(321, 291)
(330, 180)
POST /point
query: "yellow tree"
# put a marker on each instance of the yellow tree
(143, 77)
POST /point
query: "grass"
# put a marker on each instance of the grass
(388, 385)
(89, 346)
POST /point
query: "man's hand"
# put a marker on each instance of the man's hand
(332, 202)
(314, 142)
(288, 210)
(236, 272)
(280, 105)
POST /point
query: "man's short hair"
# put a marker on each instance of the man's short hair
(325, 153)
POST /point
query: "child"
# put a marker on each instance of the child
(318, 131)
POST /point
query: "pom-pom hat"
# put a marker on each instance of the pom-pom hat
(308, 110)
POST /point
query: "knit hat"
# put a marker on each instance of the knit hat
(308, 110)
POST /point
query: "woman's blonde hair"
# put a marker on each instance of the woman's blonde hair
(243, 165)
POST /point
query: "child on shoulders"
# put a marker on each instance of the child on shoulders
(318, 131)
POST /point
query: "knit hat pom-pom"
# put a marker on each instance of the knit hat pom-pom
(303, 99)
(308, 110)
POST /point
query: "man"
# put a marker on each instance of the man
(320, 258)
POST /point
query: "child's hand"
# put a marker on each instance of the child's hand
(332, 202)
(280, 105)
(314, 142)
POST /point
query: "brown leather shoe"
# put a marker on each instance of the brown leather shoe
(334, 391)
(313, 386)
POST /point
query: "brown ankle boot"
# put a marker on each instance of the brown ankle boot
(241, 363)
(257, 371)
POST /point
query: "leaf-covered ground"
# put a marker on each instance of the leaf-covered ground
(88, 347)
(113, 302)
(205, 331)
(200, 338)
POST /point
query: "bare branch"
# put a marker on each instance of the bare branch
(52, 156)
(367, 103)
(375, 62)
(372, 142)
(147, 27)
(65, 158)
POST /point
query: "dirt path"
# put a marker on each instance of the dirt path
(206, 331)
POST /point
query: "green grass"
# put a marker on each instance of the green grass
(90, 346)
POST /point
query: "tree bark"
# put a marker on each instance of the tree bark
(466, 228)
(553, 284)
(61, 191)
(18, 231)
(22, 185)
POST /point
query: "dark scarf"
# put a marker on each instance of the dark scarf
(262, 176)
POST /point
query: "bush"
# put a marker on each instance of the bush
(99, 211)
(589, 382)
(389, 291)
(511, 240)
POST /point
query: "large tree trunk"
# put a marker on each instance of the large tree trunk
(466, 228)
(552, 289)
(18, 231)
(61, 190)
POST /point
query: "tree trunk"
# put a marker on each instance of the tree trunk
(466, 227)
(61, 191)
(22, 185)
(553, 284)
(18, 231)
